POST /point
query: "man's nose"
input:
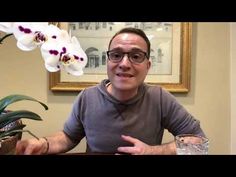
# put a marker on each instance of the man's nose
(126, 59)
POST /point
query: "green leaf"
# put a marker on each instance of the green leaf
(4, 102)
(12, 132)
(15, 115)
(14, 127)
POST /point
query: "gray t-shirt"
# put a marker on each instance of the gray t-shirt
(103, 119)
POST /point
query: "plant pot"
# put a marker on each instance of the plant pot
(8, 145)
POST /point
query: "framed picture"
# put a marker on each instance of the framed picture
(170, 54)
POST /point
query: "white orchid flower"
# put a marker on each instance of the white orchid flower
(53, 32)
(30, 35)
(64, 53)
(75, 59)
(51, 50)
(6, 27)
(51, 54)
(58, 49)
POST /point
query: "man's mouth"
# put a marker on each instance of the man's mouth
(124, 75)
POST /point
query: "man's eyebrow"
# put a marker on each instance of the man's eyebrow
(117, 48)
(121, 49)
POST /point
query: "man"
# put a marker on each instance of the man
(121, 114)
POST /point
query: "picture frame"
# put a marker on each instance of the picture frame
(171, 56)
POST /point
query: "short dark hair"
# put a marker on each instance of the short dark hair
(137, 31)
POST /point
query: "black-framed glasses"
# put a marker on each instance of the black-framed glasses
(133, 56)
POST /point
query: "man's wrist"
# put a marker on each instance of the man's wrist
(164, 149)
(47, 145)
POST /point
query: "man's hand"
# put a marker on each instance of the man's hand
(31, 147)
(141, 148)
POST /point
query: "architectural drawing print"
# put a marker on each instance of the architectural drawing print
(170, 54)
(94, 38)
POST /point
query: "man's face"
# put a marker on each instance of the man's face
(126, 75)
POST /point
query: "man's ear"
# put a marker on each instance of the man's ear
(149, 64)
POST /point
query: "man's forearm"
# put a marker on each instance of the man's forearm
(164, 149)
(59, 143)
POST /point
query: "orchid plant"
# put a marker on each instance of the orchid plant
(59, 50)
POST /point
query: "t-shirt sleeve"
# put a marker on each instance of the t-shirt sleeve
(176, 119)
(73, 126)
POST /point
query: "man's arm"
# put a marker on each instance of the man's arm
(141, 148)
(57, 143)
(164, 149)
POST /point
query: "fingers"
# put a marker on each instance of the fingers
(29, 150)
(122, 153)
(20, 147)
(23, 148)
(129, 139)
(138, 147)
(28, 147)
(126, 150)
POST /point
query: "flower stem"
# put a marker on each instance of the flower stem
(4, 37)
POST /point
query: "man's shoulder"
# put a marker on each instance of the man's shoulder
(90, 89)
(157, 90)
(153, 88)
(97, 86)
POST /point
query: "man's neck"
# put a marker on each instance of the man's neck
(121, 95)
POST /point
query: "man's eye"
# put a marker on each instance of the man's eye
(136, 56)
(116, 55)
